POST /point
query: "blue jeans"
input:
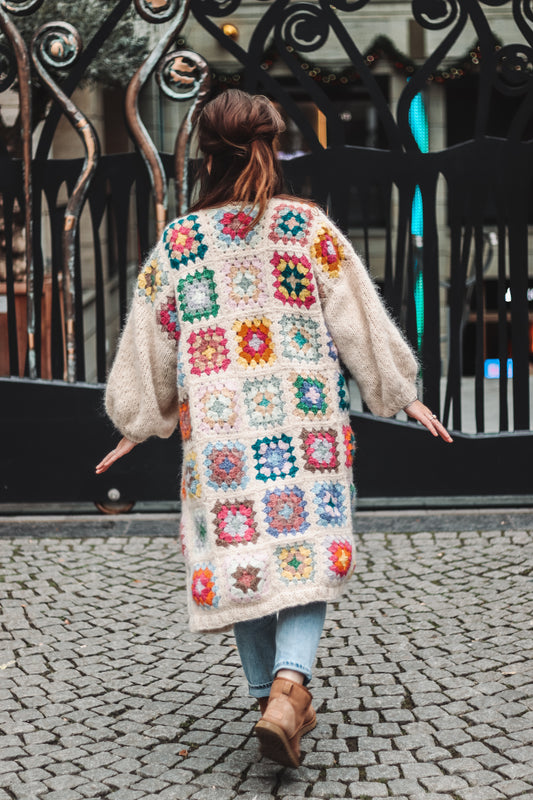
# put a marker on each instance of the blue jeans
(287, 640)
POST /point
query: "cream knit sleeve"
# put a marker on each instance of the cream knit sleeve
(141, 395)
(369, 342)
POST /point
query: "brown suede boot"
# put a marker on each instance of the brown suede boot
(288, 716)
(263, 702)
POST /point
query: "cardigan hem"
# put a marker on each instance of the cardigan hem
(223, 621)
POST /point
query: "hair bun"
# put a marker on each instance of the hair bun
(236, 119)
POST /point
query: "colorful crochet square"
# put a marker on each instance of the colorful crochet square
(197, 295)
(246, 577)
(151, 280)
(203, 586)
(167, 317)
(330, 503)
(311, 395)
(328, 252)
(290, 224)
(333, 353)
(344, 395)
(263, 399)
(184, 242)
(285, 511)
(245, 282)
(234, 227)
(208, 350)
(217, 405)
(274, 458)
(235, 523)
(181, 372)
(191, 480)
(300, 338)
(339, 556)
(353, 498)
(254, 342)
(200, 528)
(296, 564)
(185, 419)
(225, 464)
(293, 280)
(349, 444)
(320, 450)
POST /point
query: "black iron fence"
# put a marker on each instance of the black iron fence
(376, 174)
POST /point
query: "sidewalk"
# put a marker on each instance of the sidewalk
(424, 678)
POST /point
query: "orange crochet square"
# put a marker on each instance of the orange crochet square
(254, 340)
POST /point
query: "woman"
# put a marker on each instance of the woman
(238, 320)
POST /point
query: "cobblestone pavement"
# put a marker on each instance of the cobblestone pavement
(424, 679)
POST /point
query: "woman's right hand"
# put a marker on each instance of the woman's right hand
(124, 447)
(423, 414)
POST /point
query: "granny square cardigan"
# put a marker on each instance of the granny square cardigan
(236, 333)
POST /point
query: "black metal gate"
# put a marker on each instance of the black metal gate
(439, 219)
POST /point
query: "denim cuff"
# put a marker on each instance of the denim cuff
(285, 663)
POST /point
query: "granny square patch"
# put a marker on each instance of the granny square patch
(233, 228)
(208, 351)
(197, 295)
(263, 400)
(290, 224)
(311, 396)
(274, 458)
(167, 317)
(246, 577)
(344, 394)
(254, 342)
(300, 338)
(296, 564)
(182, 537)
(217, 407)
(285, 511)
(333, 353)
(328, 252)
(185, 419)
(200, 528)
(184, 241)
(225, 465)
(339, 557)
(244, 282)
(293, 280)
(349, 444)
(235, 523)
(203, 586)
(320, 449)
(151, 280)
(330, 503)
(191, 480)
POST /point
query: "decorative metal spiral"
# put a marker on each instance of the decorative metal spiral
(57, 44)
(218, 8)
(21, 7)
(304, 28)
(181, 73)
(435, 15)
(514, 69)
(157, 10)
(494, 2)
(8, 67)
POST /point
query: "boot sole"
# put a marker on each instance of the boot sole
(274, 744)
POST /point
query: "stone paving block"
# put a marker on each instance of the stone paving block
(368, 789)
(480, 793)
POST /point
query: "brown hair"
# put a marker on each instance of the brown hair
(237, 133)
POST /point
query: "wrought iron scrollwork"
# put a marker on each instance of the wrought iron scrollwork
(21, 7)
(8, 67)
(136, 126)
(184, 75)
(58, 45)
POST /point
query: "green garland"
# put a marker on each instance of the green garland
(381, 48)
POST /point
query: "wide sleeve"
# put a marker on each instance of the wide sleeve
(369, 342)
(141, 395)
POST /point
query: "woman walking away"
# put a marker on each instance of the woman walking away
(239, 317)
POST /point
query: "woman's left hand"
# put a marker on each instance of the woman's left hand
(422, 413)
(124, 447)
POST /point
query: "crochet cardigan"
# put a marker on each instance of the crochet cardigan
(236, 333)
